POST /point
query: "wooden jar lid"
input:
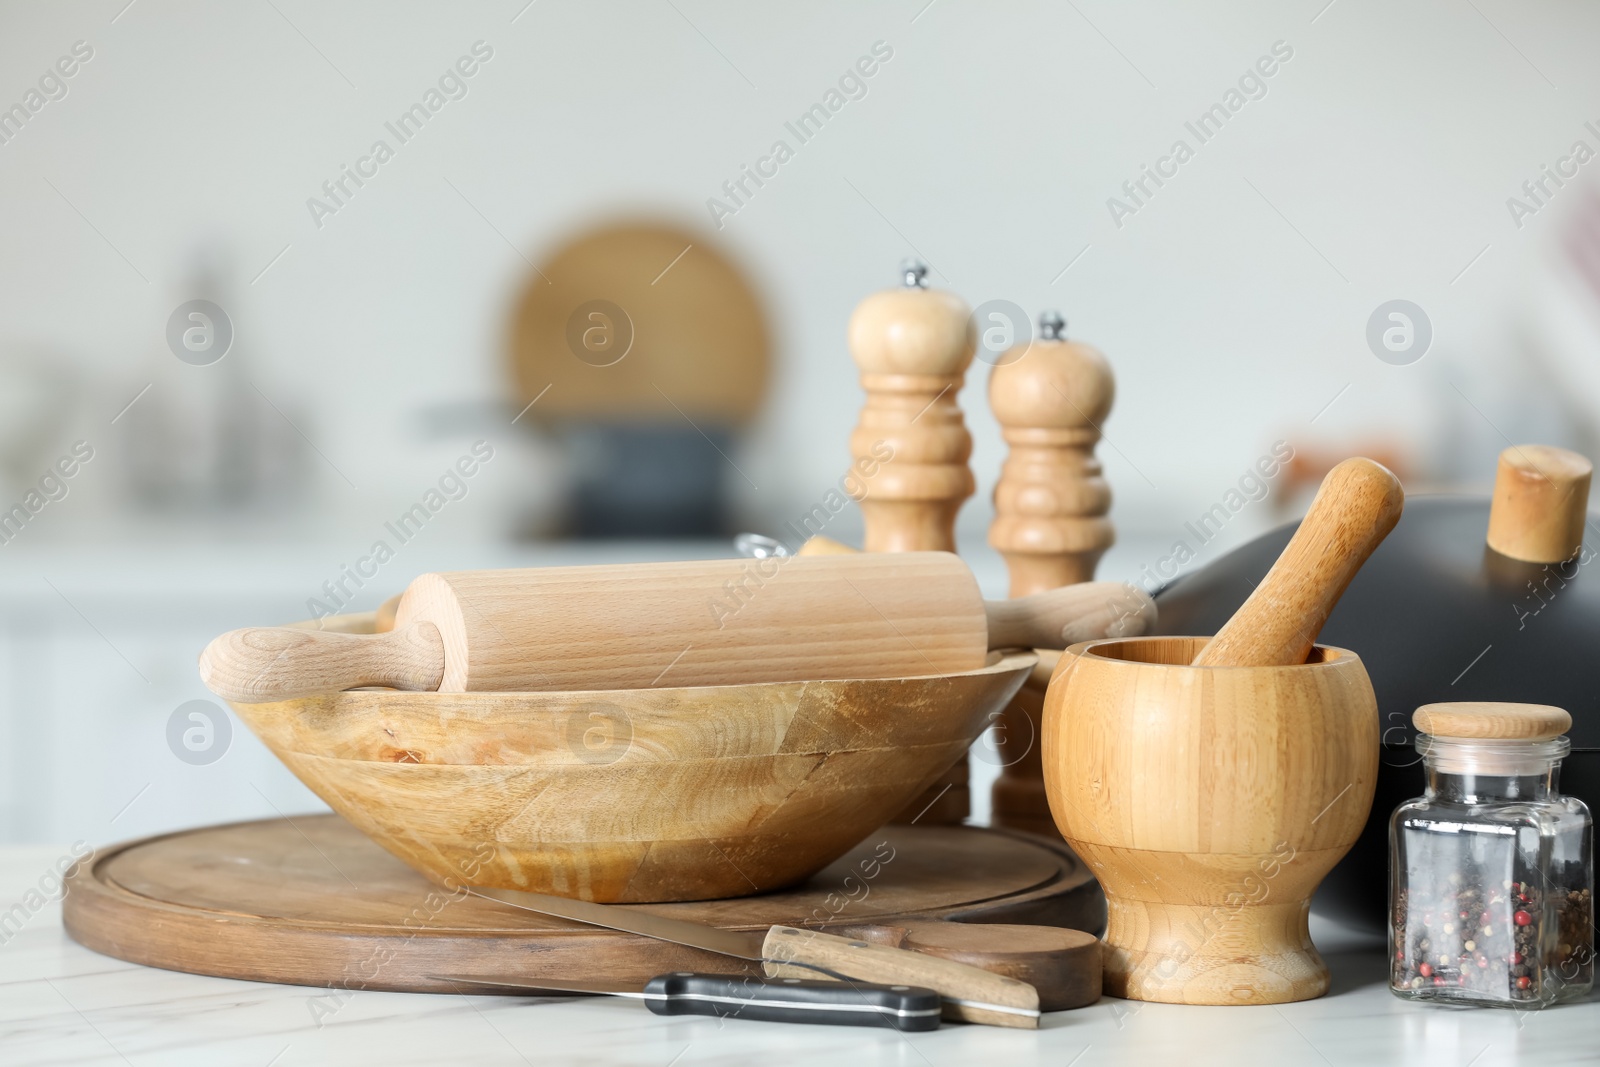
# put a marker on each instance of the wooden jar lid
(1491, 721)
(1541, 500)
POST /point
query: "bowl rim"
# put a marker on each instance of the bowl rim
(1334, 657)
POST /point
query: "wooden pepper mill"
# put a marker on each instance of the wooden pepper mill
(1050, 524)
(913, 345)
(911, 447)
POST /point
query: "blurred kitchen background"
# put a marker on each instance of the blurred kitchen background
(371, 317)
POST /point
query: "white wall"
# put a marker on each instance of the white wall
(991, 142)
(1233, 305)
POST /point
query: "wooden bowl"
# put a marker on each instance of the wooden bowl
(1209, 802)
(634, 796)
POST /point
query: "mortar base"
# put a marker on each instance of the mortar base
(1211, 954)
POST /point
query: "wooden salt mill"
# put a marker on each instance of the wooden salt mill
(911, 447)
(1050, 524)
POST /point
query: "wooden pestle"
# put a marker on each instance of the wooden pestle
(1357, 505)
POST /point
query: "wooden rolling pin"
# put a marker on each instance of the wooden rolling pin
(1357, 505)
(714, 622)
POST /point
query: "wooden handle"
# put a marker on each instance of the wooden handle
(263, 664)
(969, 994)
(1057, 618)
(1054, 618)
(1354, 510)
(1541, 501)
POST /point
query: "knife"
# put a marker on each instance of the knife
(968, 994)
(777, 1000)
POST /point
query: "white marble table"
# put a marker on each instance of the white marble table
(62, 1004)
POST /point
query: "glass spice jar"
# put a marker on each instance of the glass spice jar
(1491, 887)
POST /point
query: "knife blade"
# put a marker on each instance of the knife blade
(779, 1000)
(969, 994)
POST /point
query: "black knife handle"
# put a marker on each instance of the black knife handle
(793, 1000)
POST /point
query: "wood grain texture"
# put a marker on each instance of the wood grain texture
(948, 799)
(313, 902)
(970, 994)
(910, 448)
(1540, 503)
(1209, 802)
(1057, 618)
(1357, 505)
(1492, 720)
(633, 626)
(679, 793)
(1018, 800)
(1062, 965)
(1051, 505)
(263, 663)
(1051, 501)
(643, 625)
(712, 622)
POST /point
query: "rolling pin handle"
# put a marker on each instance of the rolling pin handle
(1060, 617)
(262, 664)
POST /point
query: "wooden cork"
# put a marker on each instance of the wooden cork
(913, 346)
(1541, 501)
(1492, 721)
(1050, 504)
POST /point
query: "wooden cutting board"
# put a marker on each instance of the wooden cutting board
(640, 321)
(311, 901)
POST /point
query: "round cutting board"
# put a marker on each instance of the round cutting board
(640, 321)
(311, 901)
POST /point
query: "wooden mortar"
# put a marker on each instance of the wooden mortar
(1209, 802)
(1211, 783)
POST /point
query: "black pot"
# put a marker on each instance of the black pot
(1435, 615)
